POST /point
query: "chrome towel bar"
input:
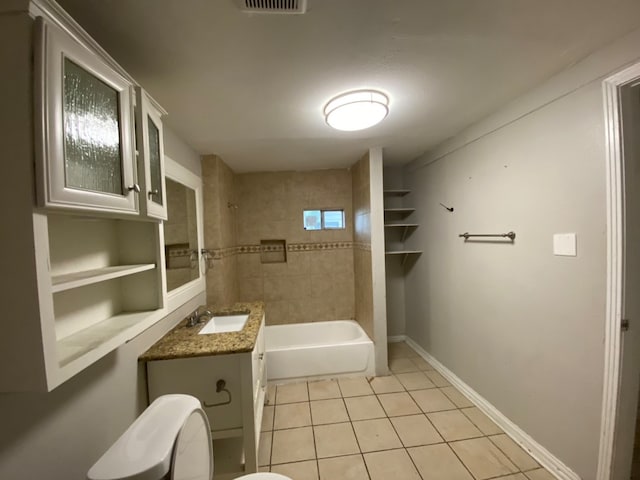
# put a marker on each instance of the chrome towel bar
(467, 235)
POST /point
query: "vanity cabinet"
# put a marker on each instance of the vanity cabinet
(235, 416)
(81, 262)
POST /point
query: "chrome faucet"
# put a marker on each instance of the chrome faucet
(196, 317)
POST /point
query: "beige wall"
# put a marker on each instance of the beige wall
(362, 244)
(219, 231)
(522, 327)
(316, 283)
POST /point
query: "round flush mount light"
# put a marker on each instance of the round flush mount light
(356, 110)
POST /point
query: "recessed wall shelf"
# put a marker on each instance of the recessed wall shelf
(68, 281)
(397, 192)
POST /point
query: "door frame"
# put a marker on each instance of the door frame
(615, 263)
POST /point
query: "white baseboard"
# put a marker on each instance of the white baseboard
(396, 338)
(537, 451)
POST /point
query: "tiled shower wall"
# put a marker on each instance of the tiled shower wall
(316, 282)
(362, 245)
(219, 231)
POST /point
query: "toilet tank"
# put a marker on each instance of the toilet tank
(171, 436)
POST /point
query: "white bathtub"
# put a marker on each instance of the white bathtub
(319, 349)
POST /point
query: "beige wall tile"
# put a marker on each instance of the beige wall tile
(277, 313)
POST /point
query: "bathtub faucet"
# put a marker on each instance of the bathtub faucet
(196, 317)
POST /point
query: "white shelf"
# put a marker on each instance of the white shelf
(400, 192)
(404, 226)
(404, 253)
(60, 283)
(404, 211)
(102, 337)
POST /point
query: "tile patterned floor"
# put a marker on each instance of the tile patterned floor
(409, 425)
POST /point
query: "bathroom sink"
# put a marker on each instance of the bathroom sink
(224, 323)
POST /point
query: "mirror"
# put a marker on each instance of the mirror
(181, 235)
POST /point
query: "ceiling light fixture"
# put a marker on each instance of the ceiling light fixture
(356, 110)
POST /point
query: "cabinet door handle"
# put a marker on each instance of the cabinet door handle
(153, 193)
(134, 188)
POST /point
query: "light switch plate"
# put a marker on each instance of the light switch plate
(565, 244)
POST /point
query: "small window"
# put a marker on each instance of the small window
(323, 219)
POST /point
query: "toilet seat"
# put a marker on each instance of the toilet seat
(191, 458)
(172, 435)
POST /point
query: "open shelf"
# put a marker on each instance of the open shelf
(403, 253)
(404, 226)
(68, 281)
(404, 211)
(399, 192)
(101, 337)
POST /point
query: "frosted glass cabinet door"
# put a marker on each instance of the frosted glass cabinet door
(85, 129)
(150, 156)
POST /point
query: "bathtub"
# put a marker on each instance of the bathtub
(319, 349)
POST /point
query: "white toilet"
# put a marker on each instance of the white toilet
(171, 440)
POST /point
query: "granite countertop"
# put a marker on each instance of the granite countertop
(184, 342)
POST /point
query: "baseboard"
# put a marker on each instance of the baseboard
(396, 338)
(537, 451)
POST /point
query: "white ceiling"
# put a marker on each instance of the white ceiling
(251, 87)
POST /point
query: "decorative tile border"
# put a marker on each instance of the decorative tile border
(220, 253)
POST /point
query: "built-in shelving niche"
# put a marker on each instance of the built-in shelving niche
(104, 281)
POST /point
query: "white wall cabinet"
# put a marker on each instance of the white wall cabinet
(150, 156)
(235, 426)
(81, 265)
(84, 127)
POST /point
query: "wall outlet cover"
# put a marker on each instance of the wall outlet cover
(564, 244)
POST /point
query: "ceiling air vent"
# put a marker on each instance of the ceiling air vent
(273, 6)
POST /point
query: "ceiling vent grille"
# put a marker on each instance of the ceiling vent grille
(273, 6)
